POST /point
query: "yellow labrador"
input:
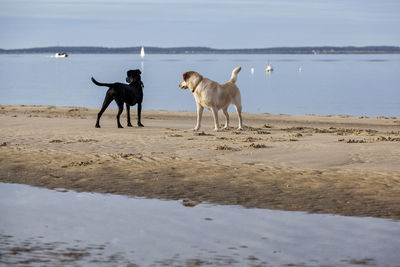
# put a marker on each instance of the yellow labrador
(213, 96)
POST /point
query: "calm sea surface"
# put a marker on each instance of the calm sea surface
(364, 85)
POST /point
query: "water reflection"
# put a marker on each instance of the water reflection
(375, 60)
(327, 60)
(50, 227)
(171, 60)
(142, 66)
(207, 60)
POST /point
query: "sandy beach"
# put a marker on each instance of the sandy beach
(322, 164)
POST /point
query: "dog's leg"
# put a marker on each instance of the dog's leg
(107, 100)
(215, 114)
(139, 115)
(120, 109)
(225, 110)
(238, 108)
(199, 116)
(128, 114)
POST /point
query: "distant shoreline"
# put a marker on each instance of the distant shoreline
(208, 50)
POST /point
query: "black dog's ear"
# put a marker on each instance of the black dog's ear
(133, 72)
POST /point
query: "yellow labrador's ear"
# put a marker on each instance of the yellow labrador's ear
(187, 75)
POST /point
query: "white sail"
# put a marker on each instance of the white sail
(142, 52)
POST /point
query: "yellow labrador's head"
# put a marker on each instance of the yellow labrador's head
(190, 80)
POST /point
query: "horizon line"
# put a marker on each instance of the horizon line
(203, 47)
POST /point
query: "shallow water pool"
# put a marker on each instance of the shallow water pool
(49, 227)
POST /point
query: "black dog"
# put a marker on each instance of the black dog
(130, 94)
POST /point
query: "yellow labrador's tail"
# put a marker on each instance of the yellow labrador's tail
(234, 74)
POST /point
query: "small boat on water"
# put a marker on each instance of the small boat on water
(269, 67)
(142, 52)
(61, 55)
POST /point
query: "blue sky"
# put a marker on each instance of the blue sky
(213, 23)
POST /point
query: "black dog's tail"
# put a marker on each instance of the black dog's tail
(101, 84)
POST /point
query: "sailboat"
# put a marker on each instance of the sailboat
(269, 67)
(142, 52)
(60, 54)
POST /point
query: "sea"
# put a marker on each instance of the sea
(350, 84)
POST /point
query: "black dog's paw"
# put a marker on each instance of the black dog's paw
(140, 124)
(120, 126)
(97, 126)
(129, 125)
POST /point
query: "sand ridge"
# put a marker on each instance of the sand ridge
(326, 164)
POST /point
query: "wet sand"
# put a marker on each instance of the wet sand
(323, 164)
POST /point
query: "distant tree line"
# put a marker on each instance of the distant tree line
(208, 50)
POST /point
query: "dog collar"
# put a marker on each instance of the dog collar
(194, 89)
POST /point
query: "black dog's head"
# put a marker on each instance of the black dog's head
(133, 76)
